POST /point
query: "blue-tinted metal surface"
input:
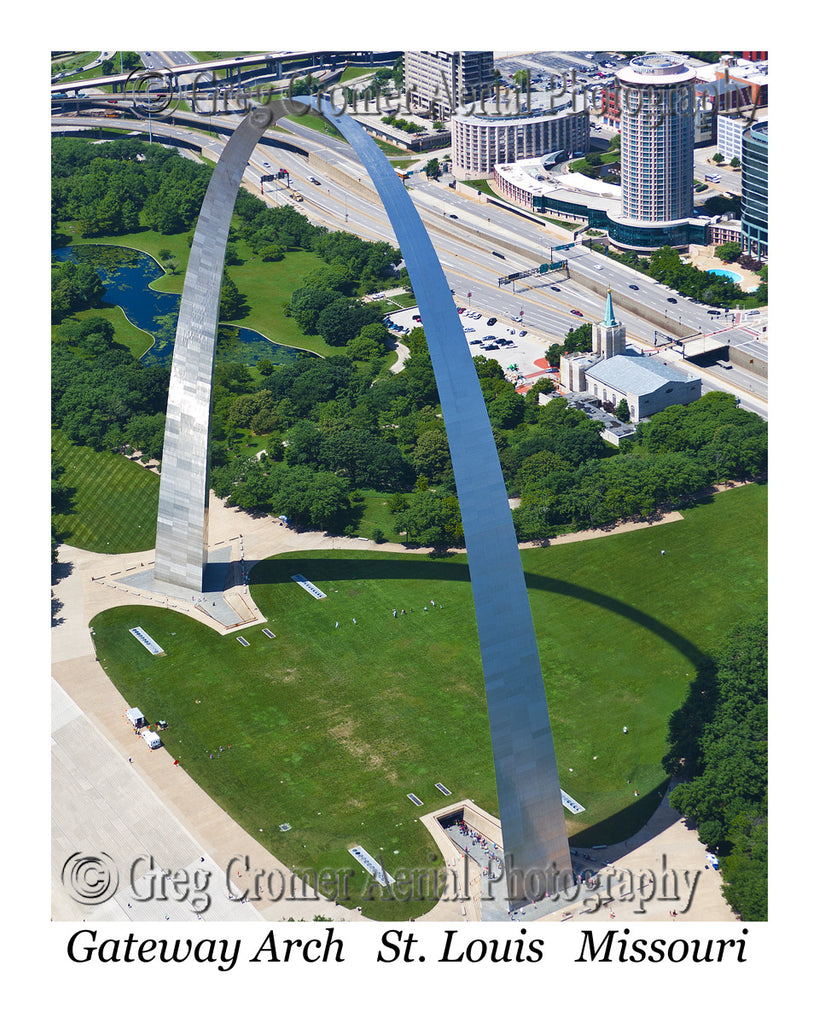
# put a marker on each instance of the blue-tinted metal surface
(531, 810)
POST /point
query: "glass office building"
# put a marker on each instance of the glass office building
(755, 190)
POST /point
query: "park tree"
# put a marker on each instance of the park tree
(432, 168)
(231, 301)
(725, 791)
(430, 456)
(728, 252)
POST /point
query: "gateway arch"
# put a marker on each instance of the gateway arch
(529, 797)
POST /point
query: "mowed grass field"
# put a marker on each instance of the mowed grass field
(115, 500)
(329, 728)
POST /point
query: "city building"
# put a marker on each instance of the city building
(608, 374)
(529, 183)
(657, 139)
(733, 84)
(657, 107)
(730, 131)
(480, 140)
(440, 81)
(755, 190)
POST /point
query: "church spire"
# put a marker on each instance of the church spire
(609, 320)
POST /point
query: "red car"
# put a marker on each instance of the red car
(577, 312)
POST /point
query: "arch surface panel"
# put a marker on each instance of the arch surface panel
(529, 797)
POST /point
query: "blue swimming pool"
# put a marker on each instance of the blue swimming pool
(730, 274)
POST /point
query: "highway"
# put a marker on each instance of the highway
(466, 234)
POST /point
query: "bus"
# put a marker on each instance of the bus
(713, 177)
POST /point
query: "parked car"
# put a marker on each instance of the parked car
(491, 321)
(523, 334)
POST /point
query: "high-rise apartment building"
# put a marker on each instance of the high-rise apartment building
(440, 81)
(657, 139)
(755, 189)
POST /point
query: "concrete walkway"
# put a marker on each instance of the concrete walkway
(112, 793)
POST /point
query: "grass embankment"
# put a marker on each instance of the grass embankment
(329, 728)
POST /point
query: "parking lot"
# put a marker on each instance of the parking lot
(518, 351)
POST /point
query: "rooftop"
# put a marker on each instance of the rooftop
(636, 374)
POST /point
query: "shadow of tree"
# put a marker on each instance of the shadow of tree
(59, 571)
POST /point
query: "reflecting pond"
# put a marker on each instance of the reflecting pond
(127, 275)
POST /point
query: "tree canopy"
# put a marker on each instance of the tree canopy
(722, 734)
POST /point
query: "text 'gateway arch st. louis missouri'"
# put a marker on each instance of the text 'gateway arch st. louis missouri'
(534, 832)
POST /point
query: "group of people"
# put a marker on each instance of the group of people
(431, 604)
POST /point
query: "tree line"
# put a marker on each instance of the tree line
(719, 745)
(346, 422)
(118, 187)
(570, 481)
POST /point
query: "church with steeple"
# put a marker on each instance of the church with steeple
(609, 335)
(607, 374)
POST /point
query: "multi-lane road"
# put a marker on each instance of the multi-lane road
(468, 236)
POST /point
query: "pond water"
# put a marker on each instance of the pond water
(127, 275)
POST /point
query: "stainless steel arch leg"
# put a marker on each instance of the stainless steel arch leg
(531, 810)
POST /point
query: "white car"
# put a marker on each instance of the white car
(517, 319)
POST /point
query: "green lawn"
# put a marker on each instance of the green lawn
(136, 341)
(115, 500)
(267, 286)
(329, 728)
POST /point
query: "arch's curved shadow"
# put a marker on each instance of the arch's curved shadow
(280, 569)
